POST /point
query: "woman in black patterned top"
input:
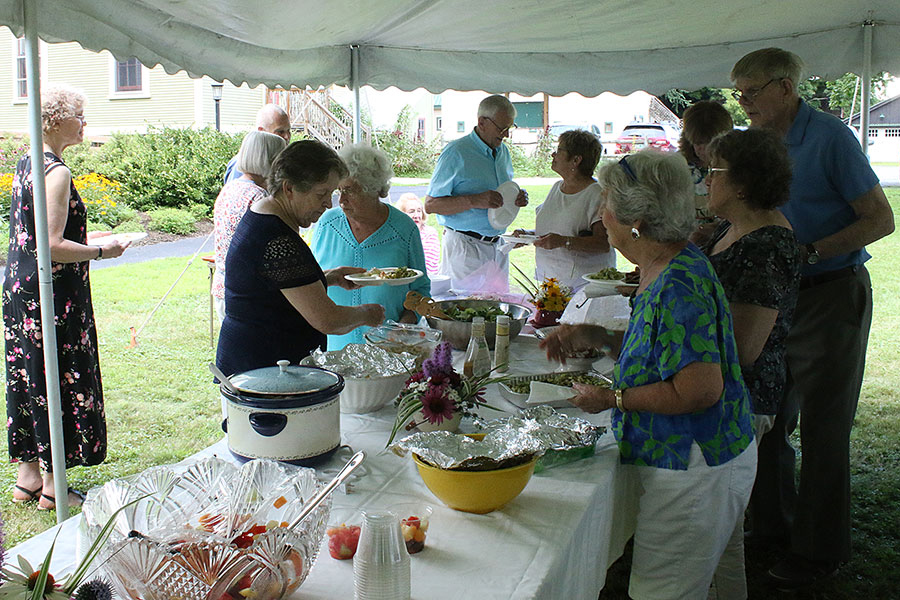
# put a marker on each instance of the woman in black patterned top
(276, 306)
(755, 254)
(757, 259)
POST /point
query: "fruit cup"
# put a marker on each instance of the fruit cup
(343, 533)
(414, 521)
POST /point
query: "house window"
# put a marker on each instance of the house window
(438, 123)
(420, 131)
(892, 132)
(21, 77)
(128, 76)
(607, 127)
(460, 127)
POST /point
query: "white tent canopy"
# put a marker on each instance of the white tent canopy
(527, 46)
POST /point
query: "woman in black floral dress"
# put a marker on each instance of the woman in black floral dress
(81, 393)
(757, 259)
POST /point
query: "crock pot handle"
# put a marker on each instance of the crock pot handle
(268, 424)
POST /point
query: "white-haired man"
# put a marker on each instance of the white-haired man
(836, 208)
(463, 188)
(270, 118)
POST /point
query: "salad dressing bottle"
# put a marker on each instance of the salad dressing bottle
(501, 345)
(478, 357)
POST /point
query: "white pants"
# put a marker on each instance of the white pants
(473, 265)
(730, 579)
(684, 520)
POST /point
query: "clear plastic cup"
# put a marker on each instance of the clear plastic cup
(381, 564)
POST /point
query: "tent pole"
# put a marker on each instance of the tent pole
(354, 83)
(45, 279)
(868, 29)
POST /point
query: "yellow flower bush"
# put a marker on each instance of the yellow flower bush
(99, 195)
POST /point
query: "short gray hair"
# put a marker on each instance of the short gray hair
(370, 167)
(660, 195)
(58, 103)
(490, 106)
(772, 63)
(257, 152)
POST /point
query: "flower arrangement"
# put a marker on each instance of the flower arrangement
(439, 392)
(549, 295)
(37, 583)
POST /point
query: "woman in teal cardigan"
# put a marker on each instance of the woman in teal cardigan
(366, 232)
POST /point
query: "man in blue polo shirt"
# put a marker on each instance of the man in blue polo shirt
(836, 208)
(463, 188)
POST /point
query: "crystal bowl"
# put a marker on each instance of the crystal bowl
(207, 530)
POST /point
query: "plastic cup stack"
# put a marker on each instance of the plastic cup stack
(381, 563)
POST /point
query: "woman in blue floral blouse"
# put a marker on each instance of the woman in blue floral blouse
(681, 411)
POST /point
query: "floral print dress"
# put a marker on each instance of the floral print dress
(84, 423)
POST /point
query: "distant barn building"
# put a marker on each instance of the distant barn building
(884, 130)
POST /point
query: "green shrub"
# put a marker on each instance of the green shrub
(129, 226)
(171, 220)
(11, 150)
(199, 211)
(410, 157)
(168, 167)
(102, 199)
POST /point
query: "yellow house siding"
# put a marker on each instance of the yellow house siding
(172, 99)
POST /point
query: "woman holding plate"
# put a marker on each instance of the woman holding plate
(681, 412)
(572, 240)
(367, 233)
(276, 304)
(81, 390)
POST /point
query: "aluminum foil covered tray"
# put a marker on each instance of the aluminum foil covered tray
(363, 361)
(507, 441)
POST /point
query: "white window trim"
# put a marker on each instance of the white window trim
(144, 92)
(42, 52)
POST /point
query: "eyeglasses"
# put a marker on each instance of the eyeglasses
(502, 131)
(712, 170)
(81, 118)
(751, 95)
(628, 170)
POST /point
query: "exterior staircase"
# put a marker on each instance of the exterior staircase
(318, 115)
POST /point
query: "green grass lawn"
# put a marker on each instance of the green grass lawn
(162, 406)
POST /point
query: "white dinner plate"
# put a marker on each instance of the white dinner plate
(373, 279)
(502, 217)
(525, 238)
(608, 284)
(122, 238)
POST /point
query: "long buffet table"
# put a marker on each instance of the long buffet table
(555, 540)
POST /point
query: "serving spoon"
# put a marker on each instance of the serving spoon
(222, 378)
(351, 465)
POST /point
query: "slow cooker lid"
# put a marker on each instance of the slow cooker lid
(287, 379)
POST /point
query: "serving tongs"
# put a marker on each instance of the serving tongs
(355, 461)
(423, 305)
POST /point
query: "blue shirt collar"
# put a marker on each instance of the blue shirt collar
(479, 143)
(797, 131)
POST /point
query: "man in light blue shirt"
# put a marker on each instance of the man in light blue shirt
(272, 119)
(463, 189)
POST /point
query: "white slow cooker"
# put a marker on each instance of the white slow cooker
(287, 412)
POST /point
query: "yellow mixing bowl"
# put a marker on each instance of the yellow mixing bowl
(475, 491)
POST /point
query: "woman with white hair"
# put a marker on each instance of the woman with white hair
(681, 412)
(431, 243)
(254, 160)
(366, 232)
(81, 389)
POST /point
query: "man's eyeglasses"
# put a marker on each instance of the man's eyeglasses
(751, 95)
(502, 130)
(628, 170)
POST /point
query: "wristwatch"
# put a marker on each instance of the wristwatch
(812, 255)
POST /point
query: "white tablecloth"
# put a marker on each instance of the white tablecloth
(555, 540)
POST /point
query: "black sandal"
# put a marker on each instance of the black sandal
(50, 498)
(33, 495)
